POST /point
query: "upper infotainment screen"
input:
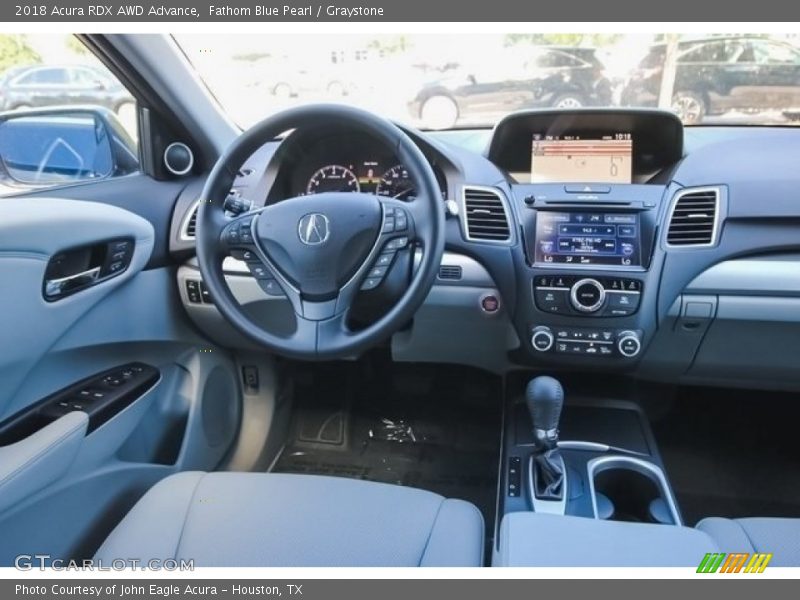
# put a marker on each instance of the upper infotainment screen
(577, 159)
(588, 238)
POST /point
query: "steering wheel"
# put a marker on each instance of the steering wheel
(321, 249)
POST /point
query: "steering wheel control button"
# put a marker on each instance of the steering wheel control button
(542, 339)
(232, 234)
(396, 244)
(245, 255)
(378, 272)
(370, 283)
(400, 220)
(259, 271)
(587, 295)
(384, 260)
(271, 287)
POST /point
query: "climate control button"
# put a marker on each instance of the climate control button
(542, 339)
(628, 344)
(587, 295)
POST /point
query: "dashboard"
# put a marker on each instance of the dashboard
(584, 240)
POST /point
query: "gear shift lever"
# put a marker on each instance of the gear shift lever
(545, 399)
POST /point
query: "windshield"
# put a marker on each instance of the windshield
(461, 81)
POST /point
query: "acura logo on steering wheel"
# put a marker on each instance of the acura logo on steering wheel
(314, 229)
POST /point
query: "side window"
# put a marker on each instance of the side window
(52, 76)
(712, 52)
(553, 59)
(84, 77)
(775, 54)
(28, 78)
(62, 122)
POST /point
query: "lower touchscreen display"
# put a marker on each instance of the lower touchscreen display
(588, 238)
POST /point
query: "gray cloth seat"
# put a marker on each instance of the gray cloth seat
(529, 539)
(249, 519)
(778, 536)
(535, 539)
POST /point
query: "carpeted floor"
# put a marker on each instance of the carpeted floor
(732, 453)
(431, 427)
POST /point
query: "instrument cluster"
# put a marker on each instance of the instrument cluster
(369, 176)
(344, 162)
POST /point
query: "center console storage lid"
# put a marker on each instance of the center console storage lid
(529, 539)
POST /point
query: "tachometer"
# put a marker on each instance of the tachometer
(396, 183)
(333, 178)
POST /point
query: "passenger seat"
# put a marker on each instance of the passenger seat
(779, 537)
(282, 520)
(529, 539)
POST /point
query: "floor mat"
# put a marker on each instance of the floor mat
(732, 453)
(430, 427)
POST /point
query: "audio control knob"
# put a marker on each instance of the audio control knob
(542, 339)
(587, 295)
(628, 344)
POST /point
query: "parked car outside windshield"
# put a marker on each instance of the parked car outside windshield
(538, 77)
(36, 86)
(721, 76)
(445, 81)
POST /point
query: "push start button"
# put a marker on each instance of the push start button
(490, 304)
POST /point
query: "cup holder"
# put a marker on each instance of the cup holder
(631, 489)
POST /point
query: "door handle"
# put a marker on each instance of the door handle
(53, 288)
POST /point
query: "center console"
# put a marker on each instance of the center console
(587, 272)
(589, 205)
(589, 191)
(584, 460)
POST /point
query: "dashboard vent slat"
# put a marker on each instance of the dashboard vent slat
(450, 272)
(485, 215)
(694, 217)
(191, 226)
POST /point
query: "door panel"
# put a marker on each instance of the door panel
(32, 233)
(188, 419)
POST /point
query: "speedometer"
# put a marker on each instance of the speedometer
(333, 178)
(396, 183)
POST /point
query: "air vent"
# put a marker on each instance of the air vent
(485, 215)
(191, 226)
(450, 272)
(693, 221)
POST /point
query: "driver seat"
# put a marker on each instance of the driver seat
(274, 520)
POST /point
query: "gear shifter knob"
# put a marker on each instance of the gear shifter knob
(545, 398)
